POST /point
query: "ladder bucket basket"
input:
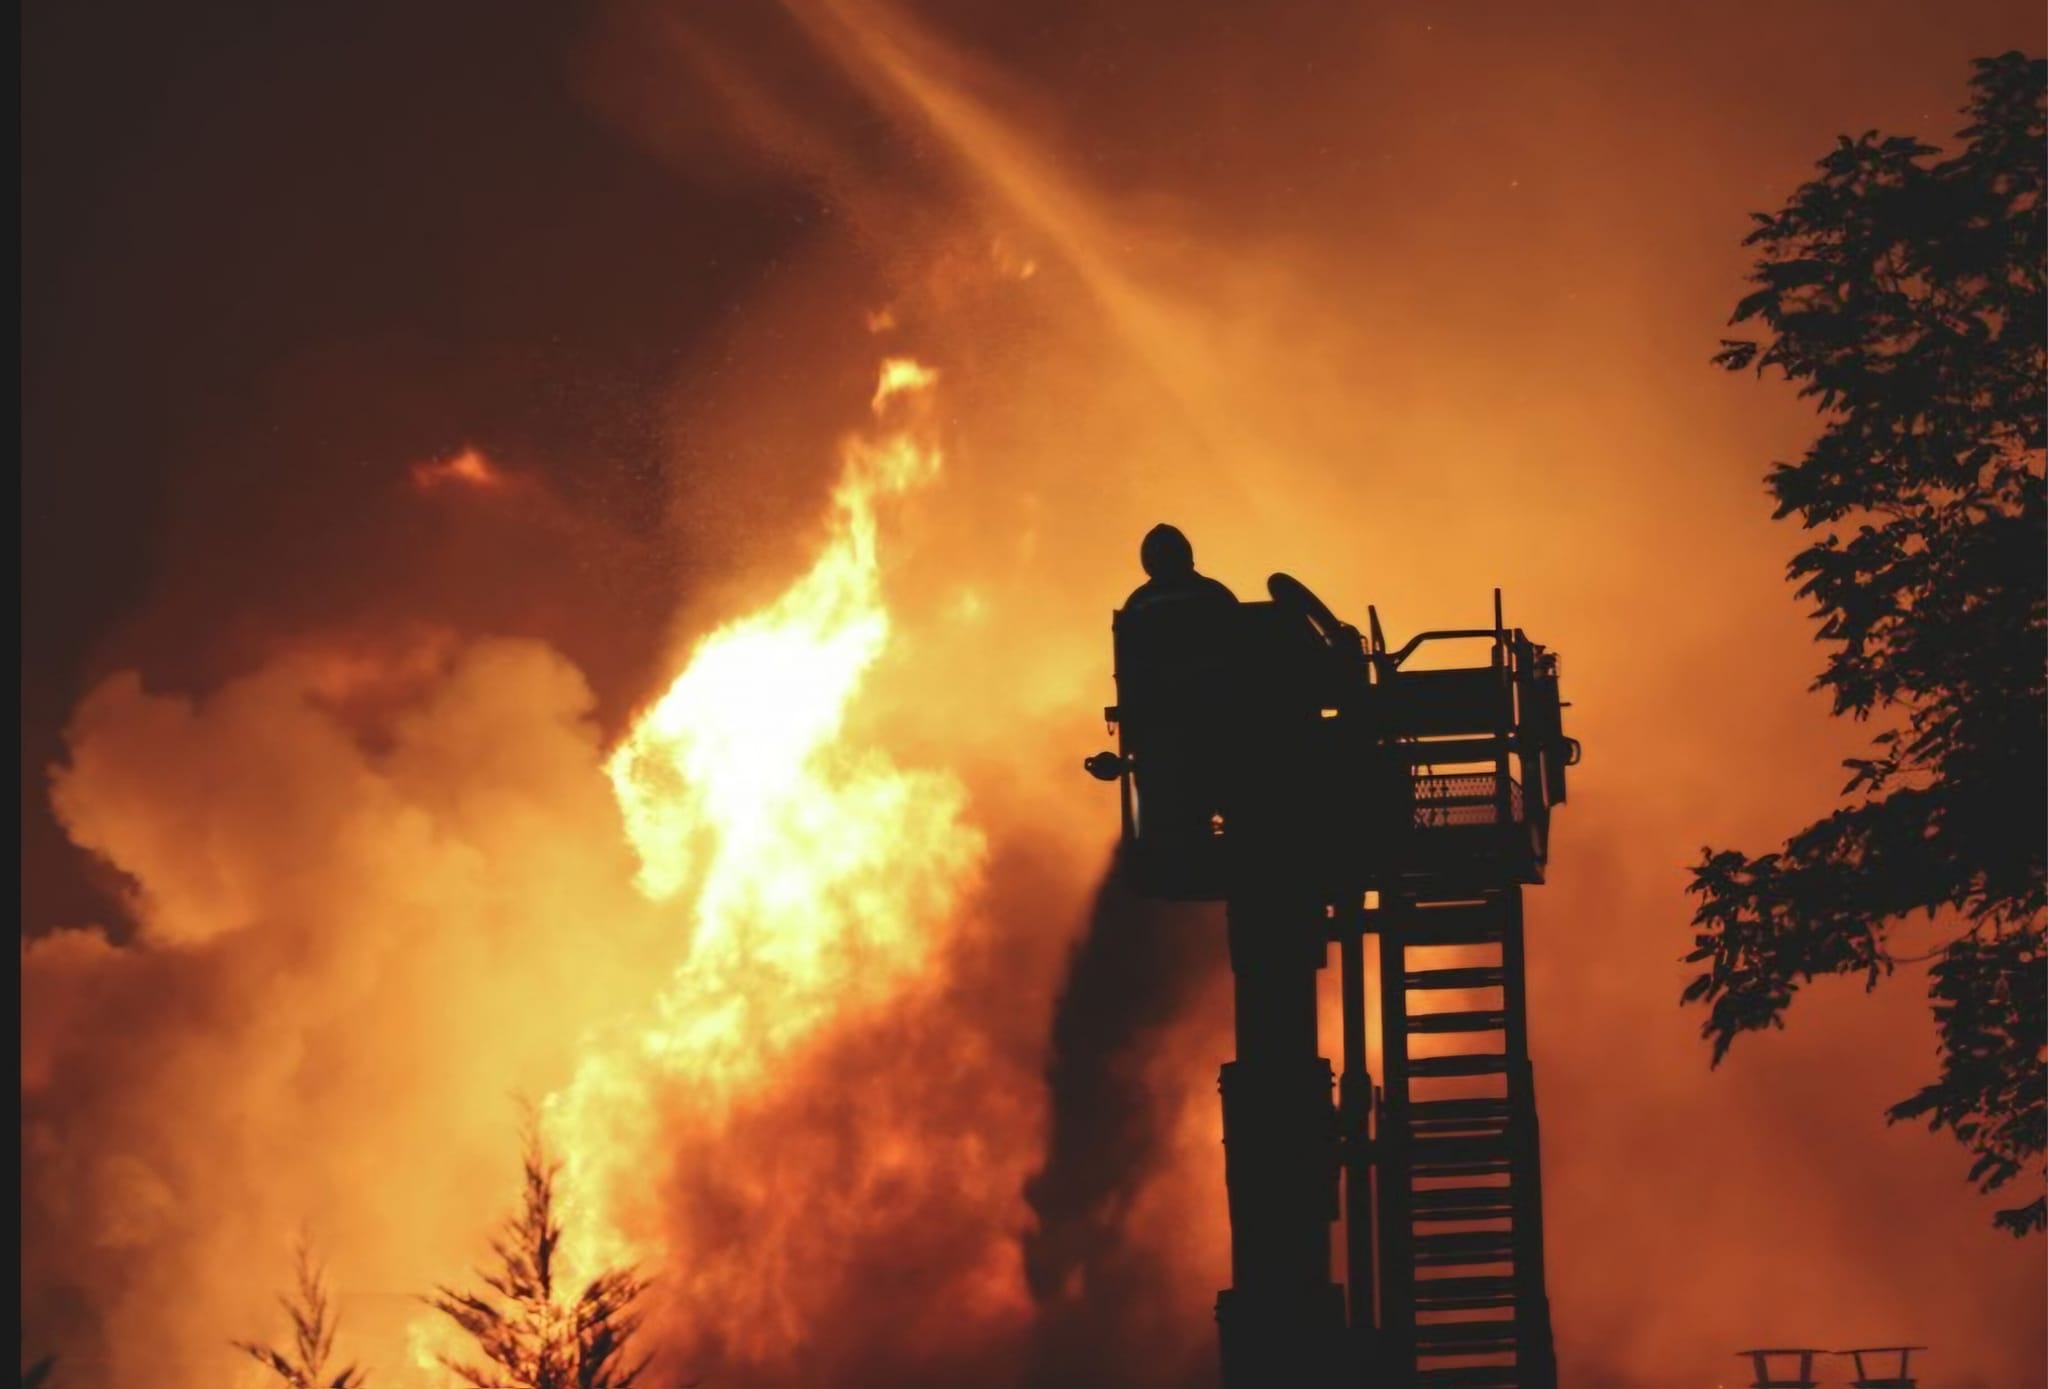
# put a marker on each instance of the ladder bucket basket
(1271, 735)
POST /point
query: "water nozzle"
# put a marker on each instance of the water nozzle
(1105, 766)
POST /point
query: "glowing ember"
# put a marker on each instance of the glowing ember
(901, 375)
(468, 468)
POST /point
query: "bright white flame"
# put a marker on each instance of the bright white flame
(819, 880)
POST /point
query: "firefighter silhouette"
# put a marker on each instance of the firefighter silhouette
(1177, 633)
(1170, 575)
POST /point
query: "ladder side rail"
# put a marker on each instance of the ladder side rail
(1391, 1150)
(1355, 1105)
(1530, 752)
(1503, 723)
(1532, 1302)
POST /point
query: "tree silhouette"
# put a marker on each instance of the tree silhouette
(531, 1334)
(304, 1366)
(1904, 292)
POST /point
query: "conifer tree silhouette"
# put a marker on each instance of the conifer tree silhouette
(529, 1331)
(305, 1365)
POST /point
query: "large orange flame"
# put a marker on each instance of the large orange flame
(813, 883)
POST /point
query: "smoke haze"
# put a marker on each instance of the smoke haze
(322, 865)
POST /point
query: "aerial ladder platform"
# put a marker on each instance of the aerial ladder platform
(1331, 790)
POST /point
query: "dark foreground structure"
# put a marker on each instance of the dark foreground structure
(1333, 791)
(1794, 1367)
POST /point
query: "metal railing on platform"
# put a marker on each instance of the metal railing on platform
(1464, 799)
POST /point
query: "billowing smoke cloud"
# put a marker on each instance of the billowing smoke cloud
(349, 961)
(1408, 303)
(377, 895)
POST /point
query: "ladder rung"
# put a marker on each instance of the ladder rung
(1484, 1064)
(1455, 1128)
(1477, 1292)
(1475, 977)
(1475, 1167)
(1478, 1020)
(1460, 1147)
(1462, 923)
(1464, 1247)
(1468, 1377)
(1471, 1111)
(1437, 1157)
(1464, 1337)
(1462, 1203)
